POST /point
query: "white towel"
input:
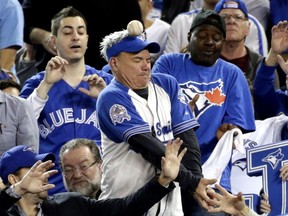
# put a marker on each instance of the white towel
(221, 155)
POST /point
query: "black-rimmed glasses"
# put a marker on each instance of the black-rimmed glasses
(69, 171)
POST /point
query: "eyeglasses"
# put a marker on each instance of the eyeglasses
(236, 17)
(69, 171)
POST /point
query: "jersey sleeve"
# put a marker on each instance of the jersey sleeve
(118, 118)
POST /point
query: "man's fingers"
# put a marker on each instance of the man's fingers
(221, 189)
(85, 91)
(182, 153)
(192, 103)
(50, 173)
(47, 187)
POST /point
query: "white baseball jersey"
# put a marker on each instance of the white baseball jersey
(122, 113)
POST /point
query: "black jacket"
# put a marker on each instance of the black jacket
(74, 204)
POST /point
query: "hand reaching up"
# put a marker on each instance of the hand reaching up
(35, 180)
(170, 164)
(96, 84)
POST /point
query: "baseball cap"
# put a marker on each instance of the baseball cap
(231, 4)
(132, 44)
(18, 157)
(209, 17)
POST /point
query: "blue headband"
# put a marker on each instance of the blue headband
(132, 44)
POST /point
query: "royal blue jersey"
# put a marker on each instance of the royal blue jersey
(68, 114)
(224, 98)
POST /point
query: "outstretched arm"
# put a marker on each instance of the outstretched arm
(34, 181)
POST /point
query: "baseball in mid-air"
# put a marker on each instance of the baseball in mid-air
(135, 28)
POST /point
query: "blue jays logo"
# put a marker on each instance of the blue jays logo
(210, 94)
(274, 158)
(118, 114)
(241, 164)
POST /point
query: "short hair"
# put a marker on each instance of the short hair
(9, 83)
(79, 142)
(65, 12)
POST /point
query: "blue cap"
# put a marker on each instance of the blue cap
(18, 157)
(132, 44)
(231, 4)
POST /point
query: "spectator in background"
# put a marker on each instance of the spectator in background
(103, 17)
(224, 96)
(60, 95)
(268, 101)
(17, 123)
(34, 181)
(177, 41)
(80, 162)
(234, 49)
(156, 29)
(26, 65)
(10, 86)
(11, 34)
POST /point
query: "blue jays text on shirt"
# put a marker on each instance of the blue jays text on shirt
(66, 116)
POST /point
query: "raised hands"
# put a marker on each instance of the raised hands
(55, 70)
(226, 202)
(283, 64)
(223, 129)
(264, 206)
(200, 193)
(279, 39)
(35, 180)
(96, 84)
(170, 164)
(279, 44)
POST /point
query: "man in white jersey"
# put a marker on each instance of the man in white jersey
(138, 114)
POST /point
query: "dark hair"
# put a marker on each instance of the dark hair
(77, 143)
(9, 83)
(65, 12)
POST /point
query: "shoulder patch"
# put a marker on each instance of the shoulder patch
(118, 114)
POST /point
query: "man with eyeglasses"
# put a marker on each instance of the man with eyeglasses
(80, 162)
(234, 49)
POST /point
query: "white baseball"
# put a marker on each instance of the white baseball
(135, 28)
